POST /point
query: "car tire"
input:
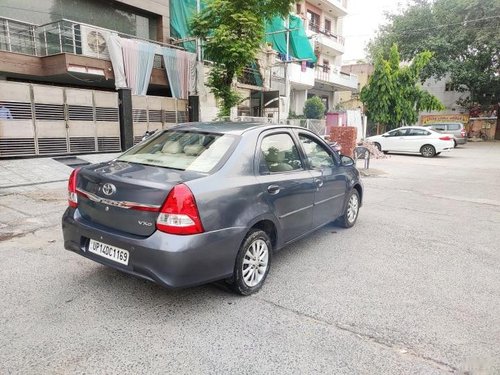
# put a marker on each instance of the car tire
(428, 151)
(377, 145)
(351, 210)
(252, 263)
(455, 144)
(438, 153)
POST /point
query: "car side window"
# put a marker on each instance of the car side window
(279, 154)
(418, 132)
(316, 153)
(439, 127)
(398, 133)
(453, 126)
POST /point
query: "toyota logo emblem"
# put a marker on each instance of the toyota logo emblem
(108, 189)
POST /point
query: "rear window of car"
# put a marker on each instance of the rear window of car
(182, 150)
(439, 127)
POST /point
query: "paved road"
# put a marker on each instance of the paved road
(413, 288)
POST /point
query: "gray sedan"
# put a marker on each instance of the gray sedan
(209, 201)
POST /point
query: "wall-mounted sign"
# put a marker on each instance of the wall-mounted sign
(432, 119)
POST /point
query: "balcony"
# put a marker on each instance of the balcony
(325, 39)
(334, 77)
(300, 77)
(336, 7)
(58, 37)
(16, 36)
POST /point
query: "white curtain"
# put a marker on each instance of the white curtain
(181, 71)
(115, 53)
(132, 62)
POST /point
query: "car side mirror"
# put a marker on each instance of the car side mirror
(346, 161)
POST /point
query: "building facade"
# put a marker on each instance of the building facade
(323, 21)
(446, 93)
(58, 80)
(349, 99)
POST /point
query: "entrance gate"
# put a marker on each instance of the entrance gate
(50, 120)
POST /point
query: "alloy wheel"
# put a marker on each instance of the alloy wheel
(352, 208)
(255, 263)
(428, 151)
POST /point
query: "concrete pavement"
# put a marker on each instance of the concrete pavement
(15, 173)
(32, 191)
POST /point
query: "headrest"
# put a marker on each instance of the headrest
(172, 147)
(193, 150)
(275, 156)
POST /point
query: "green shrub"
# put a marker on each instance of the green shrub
(314, 108)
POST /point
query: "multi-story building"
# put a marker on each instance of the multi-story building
(58, 81)
(323, 20)
(446, 93)
(349, 99)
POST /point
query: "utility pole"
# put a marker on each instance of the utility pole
(287, 57)
(198, 40)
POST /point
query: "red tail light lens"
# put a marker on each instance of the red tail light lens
(446, 138)
(72, 196)
(179, 214)
(462, 133)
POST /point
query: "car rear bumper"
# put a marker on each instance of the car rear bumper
(461, 141)
(170, 260)
(441, 146)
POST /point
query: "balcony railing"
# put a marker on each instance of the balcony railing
(334, 76)
(317, 29)
(16, 36)
(62, 36)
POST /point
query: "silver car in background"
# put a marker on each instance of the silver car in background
(456, 129)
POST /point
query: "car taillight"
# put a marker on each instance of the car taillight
(446, 138)
(72, 195)
(462, 133)
(179, 214)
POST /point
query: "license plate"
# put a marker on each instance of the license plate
(110, 252)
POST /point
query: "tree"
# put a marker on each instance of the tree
(232, 32)
(463, 37)
(393, 96)
(314, 108)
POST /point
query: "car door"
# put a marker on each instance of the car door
(395, 140)
(416, 138)
(287, 185)
(331, 182)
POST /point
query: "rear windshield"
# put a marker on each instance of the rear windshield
(182, 150)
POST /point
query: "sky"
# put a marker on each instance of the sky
(362, 22)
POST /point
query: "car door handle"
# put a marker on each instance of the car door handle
(319, 182)
(273, 189)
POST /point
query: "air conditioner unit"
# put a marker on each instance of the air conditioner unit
(94, 42)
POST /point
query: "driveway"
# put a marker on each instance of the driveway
(414, 287)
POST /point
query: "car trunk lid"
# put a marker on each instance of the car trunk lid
(126, 196)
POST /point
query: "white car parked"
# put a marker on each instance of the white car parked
(414, 139)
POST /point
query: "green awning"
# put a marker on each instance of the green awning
(181, 12)
(300, 46)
